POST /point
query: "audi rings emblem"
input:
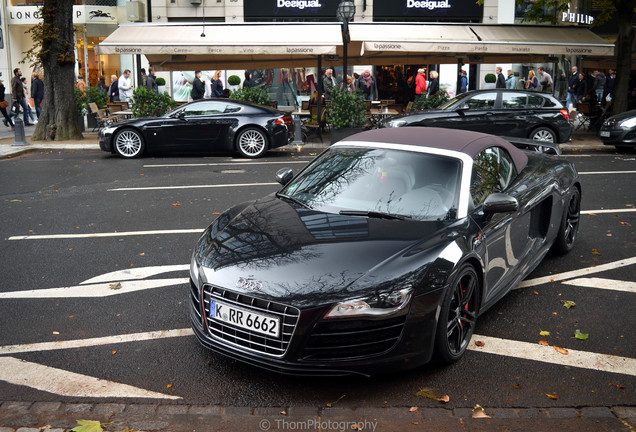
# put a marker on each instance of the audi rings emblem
(250, 284)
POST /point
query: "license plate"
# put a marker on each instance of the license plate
(605, 134)
(258, 323)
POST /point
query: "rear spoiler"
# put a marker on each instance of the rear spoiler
(538, 146)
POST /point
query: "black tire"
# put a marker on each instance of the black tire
(544, 134)
(251, 143)
(625, 149)
(569, 224)
(458, 315)
(128, 143)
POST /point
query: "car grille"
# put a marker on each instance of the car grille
(245, 338)
(352, 339)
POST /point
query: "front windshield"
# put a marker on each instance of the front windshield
(456, 101)
(393, 182)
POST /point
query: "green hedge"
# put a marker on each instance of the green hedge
(150, 104)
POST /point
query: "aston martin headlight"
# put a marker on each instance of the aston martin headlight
(381, 305)
(107, 130)
(395, 123)
(628, 123)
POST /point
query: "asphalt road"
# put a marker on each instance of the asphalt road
(88, 192)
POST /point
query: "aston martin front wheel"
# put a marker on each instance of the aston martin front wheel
(128, 143)
(251, 143)
(458, 315)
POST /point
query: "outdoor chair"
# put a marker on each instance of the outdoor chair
(101, 117)
(584, 115)
(313, 125)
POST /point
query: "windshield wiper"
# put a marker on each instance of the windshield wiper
(295, 200)
(372, 214)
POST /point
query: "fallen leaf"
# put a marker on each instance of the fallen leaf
(427, 392)
(444, 399)
(56, 332)
(88, 426)
(626, 224)
(517, 386)
(608, 235)
(580, 336)
(115, 286)
(15, 200)
(479, 412)
(551, 396)
(329, 405)
(142, 254)
(544, 333)
(169, 386)
(416, 423)
(536, 292)
(568, 304)
(561, 350)
(595, 252)
(176, 204)
(618, 386)
(480, 343)
(283, 412)
(544, 342)
(114, 351)
(412, 409)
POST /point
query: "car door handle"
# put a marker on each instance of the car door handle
(489, 114)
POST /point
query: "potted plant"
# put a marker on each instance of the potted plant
(233, 82)
(347, 114)
(161, 85)
(251, 94)
(150, 104)
(431, 102)
(83, 99)
(490, 79)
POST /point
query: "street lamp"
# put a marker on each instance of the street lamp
(345, 13)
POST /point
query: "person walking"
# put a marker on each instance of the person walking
(609, 85)
(368, 86)
(113, 90)
(28, 113)
(247, 83)
(463, 84)
(37, 93)
(198, 87)
(101, 84)
(3, 107)
(532, 82)
(420, 84)
(599, 84)
(501, 81)
(125, 86)
(574, 78)
(144, 77)
(328, 83)
(17, 93)
(433, 85)
(151, 81)
(546, 80)
(580, 88)
(217, 85)
(511, 81)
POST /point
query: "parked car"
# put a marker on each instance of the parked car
(381, 253)
(511, 113)
(205, 126)
(620, 131)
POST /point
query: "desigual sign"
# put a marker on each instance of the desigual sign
(290, 8)
(30, 15)
(422, 9)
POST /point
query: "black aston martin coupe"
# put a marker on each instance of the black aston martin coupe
(205, 126)
(381, 253)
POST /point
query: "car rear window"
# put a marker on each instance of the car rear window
(536, 101)
(514, 100)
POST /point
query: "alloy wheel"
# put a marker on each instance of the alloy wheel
(462, 313)
(128, 143)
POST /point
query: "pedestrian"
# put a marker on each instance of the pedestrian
(348, 85)
(80, 84)
(28, 113)
(217, 85)
(609, 86)
(151, 81)
(572, 81)
(125, 86)
(247, 83)
(532, 82)
(328, 83)
(226, 93)
(420, 84)
(501, 81)
(546, 80)
(463, 84)
(144, 77)
(17, 93)
(580, 88)
(113, 90)
(101, 84)
(37, 93)
(511, 81)
(368, 86)
(433, 85)
(599, 84)
(3, 107)
(198, 87)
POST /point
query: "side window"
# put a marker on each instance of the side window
(493, 171)
(513, 100)
(535, 101)
(205, 109)
(481, 101)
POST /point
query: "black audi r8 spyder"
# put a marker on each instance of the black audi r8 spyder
(204, 126)
(381, 253)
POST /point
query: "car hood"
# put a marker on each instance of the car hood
(307, 258)
(623, 116)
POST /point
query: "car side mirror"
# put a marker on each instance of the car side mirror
(181, 115)
(500, 203)
(284, 175)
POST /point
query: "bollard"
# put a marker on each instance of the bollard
(298, 132)
(20, 138)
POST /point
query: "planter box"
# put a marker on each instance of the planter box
(340, 134)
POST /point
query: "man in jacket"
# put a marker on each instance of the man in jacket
(17, 92)
(151, 81)
(198, 87)
(501, 81)
(599, 84)
(125, 86)
(37, 93)
(420, 83)
(572, 82)
(328, 83)
(545, 81)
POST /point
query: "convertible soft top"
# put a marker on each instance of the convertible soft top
(470, 143)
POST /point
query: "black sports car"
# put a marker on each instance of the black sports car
(620, 131)
(380, 253)
(503, 112)
(206, 126)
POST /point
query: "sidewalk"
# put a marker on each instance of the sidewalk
(62, 417)
(581, 141)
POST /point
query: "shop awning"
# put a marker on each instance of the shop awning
(171, 46)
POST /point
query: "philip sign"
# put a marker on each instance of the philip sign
(290, 8)
(422, 9)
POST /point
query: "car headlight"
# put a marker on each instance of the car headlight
(107, 130)
(628, 123)
(380, 305)
(395, 123)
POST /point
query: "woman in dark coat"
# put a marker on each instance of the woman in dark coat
(433, 86)
(580, 88)
(113, 90)
(3, 107)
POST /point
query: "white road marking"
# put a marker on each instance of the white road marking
(135, 273)
(602, 211)
(607, 284)
(61, 382)
(576, 273)
(606, 172)
(108, 234)
(223, 164)
(547, 354)
(94, 290)
(193, 187)
(84, 343)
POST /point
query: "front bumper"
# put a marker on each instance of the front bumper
(105, 141)
(620, 137)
